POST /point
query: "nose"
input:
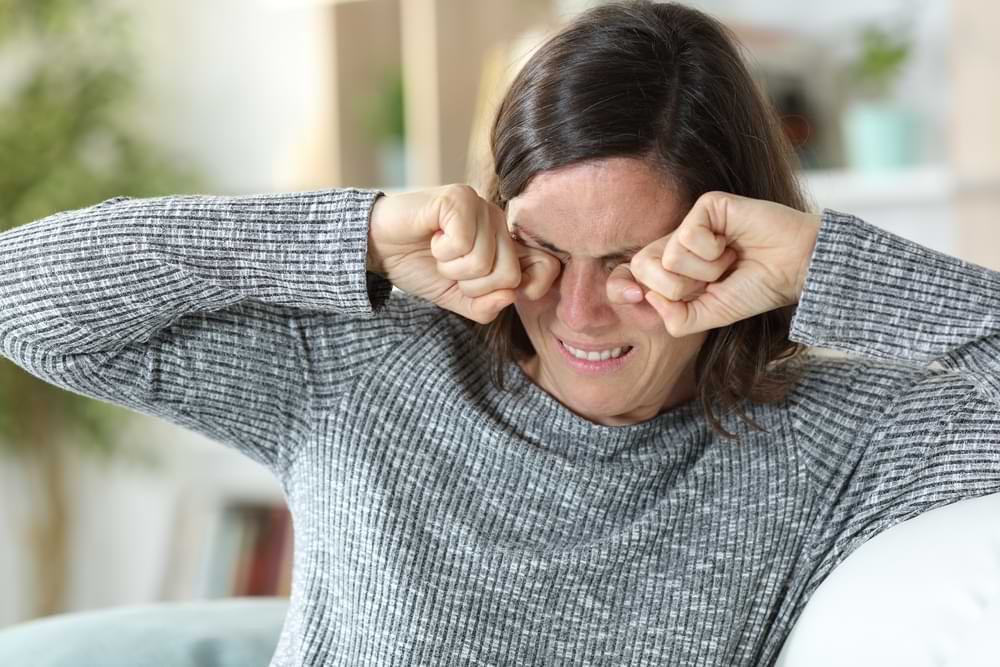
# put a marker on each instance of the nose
(583, 298)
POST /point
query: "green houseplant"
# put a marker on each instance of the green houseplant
(879, 132)
(65, 143)
(384, 119)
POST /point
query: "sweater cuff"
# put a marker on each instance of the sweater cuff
(357, 290)
(874, 293)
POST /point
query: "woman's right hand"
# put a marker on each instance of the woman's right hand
(451, 247)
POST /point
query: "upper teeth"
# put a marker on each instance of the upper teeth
(595, 356)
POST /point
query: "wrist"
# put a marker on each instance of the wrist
(809, 233)
(373, 261)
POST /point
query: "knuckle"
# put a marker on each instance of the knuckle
(510, 278)
(460, 190)
(675, 289)
(671, 256)
(464, 235)
(711, 197)
(688, 236)
(643, 267)
(479, 264)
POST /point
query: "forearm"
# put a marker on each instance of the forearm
(873, 293)
(101, 277)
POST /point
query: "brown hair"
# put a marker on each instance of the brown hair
(663, 83)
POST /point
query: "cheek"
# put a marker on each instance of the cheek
(643, 319)
(640, 318)
(530, 311)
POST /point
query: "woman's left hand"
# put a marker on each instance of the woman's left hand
(731, 258)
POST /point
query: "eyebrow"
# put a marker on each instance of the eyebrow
(619, 254)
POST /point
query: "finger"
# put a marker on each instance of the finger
(647, 270)
(480, 260)
(695, 233)
(622, 286)
(684, 318)
(484, 309)
(678, 259)
(506, 274)
(673, 313)
(457, 228)
(539, 270)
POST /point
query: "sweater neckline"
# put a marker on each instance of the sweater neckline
(673, 431)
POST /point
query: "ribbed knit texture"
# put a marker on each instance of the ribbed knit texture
(439, 521)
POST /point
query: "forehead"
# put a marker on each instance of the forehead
(601, 202)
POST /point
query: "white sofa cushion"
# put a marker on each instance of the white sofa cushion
(924, 592)
(235, 632)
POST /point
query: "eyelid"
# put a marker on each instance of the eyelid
(611, 262)
(517, 237)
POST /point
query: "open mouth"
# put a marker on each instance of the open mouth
(609, 359)
(605, 355)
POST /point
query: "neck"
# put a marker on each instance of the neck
(681, 391)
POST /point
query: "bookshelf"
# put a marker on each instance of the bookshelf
(447, 45)
(249, 552)
(231, 532)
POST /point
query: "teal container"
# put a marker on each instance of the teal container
(390, 157)
(880, 137)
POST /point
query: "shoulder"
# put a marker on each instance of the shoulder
(851, 389)
(425, 323)
(403, 337)
(841, 403)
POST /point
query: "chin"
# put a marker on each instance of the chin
(598, 403)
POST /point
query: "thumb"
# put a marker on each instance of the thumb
(622, 286)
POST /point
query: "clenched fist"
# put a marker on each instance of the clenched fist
(451, 247)
(730, 258)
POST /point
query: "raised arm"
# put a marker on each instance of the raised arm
(882, 296)
(914, 422)
(208, 311)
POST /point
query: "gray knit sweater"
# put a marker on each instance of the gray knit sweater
(439, 521)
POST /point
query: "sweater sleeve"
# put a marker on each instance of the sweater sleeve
(915, 424)
(207, 311)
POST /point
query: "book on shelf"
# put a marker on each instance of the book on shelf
(250, 553)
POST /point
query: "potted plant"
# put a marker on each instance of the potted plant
(879, 132)
(66, 145)
(384, 119)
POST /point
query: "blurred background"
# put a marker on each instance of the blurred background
(892, 106)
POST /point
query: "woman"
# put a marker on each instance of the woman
(466, 489)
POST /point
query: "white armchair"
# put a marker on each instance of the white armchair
(924, 593)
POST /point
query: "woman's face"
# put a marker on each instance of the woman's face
(584, 215)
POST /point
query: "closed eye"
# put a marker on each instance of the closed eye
(612, 263)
